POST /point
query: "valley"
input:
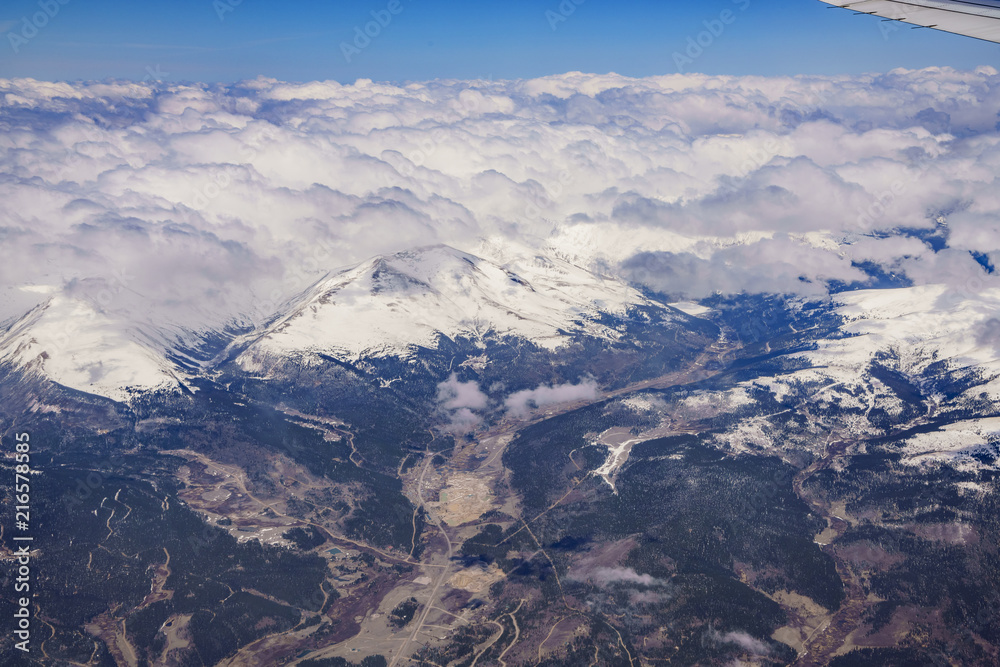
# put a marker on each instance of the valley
(577, 370)
(748, 484)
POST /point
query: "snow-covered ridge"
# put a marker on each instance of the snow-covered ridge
(956, 442)
(916, 323)
(905, 329)
(73, 343)
(931, 351)
(385, 306)
(389, 305)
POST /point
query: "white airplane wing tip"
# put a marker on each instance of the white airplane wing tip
(972, 18)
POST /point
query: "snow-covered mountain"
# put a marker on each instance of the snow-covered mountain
(923, 321)
(391, 305)
(387, 306)
(924, 356)
(915, 327)
(399, 305)
(72, 342)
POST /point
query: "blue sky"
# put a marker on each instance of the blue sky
(227, 40)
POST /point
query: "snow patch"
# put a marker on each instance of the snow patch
(691, 308)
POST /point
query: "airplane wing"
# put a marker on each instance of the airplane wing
(972, 18)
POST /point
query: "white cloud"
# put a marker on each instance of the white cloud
(743, 640)
(606, 576)
(453, 394)
(624, 575)
(461, 401)
(520, 403)
(236, 197)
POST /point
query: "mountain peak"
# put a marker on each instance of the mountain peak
(391, 304)
(74, 343)
(387, 306)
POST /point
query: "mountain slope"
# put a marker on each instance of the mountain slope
(390, 306)
(74, 343)
(926, 321)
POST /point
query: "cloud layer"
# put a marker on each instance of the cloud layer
(201, 205)
(521, 403)
(605, 576)
(462, 403)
